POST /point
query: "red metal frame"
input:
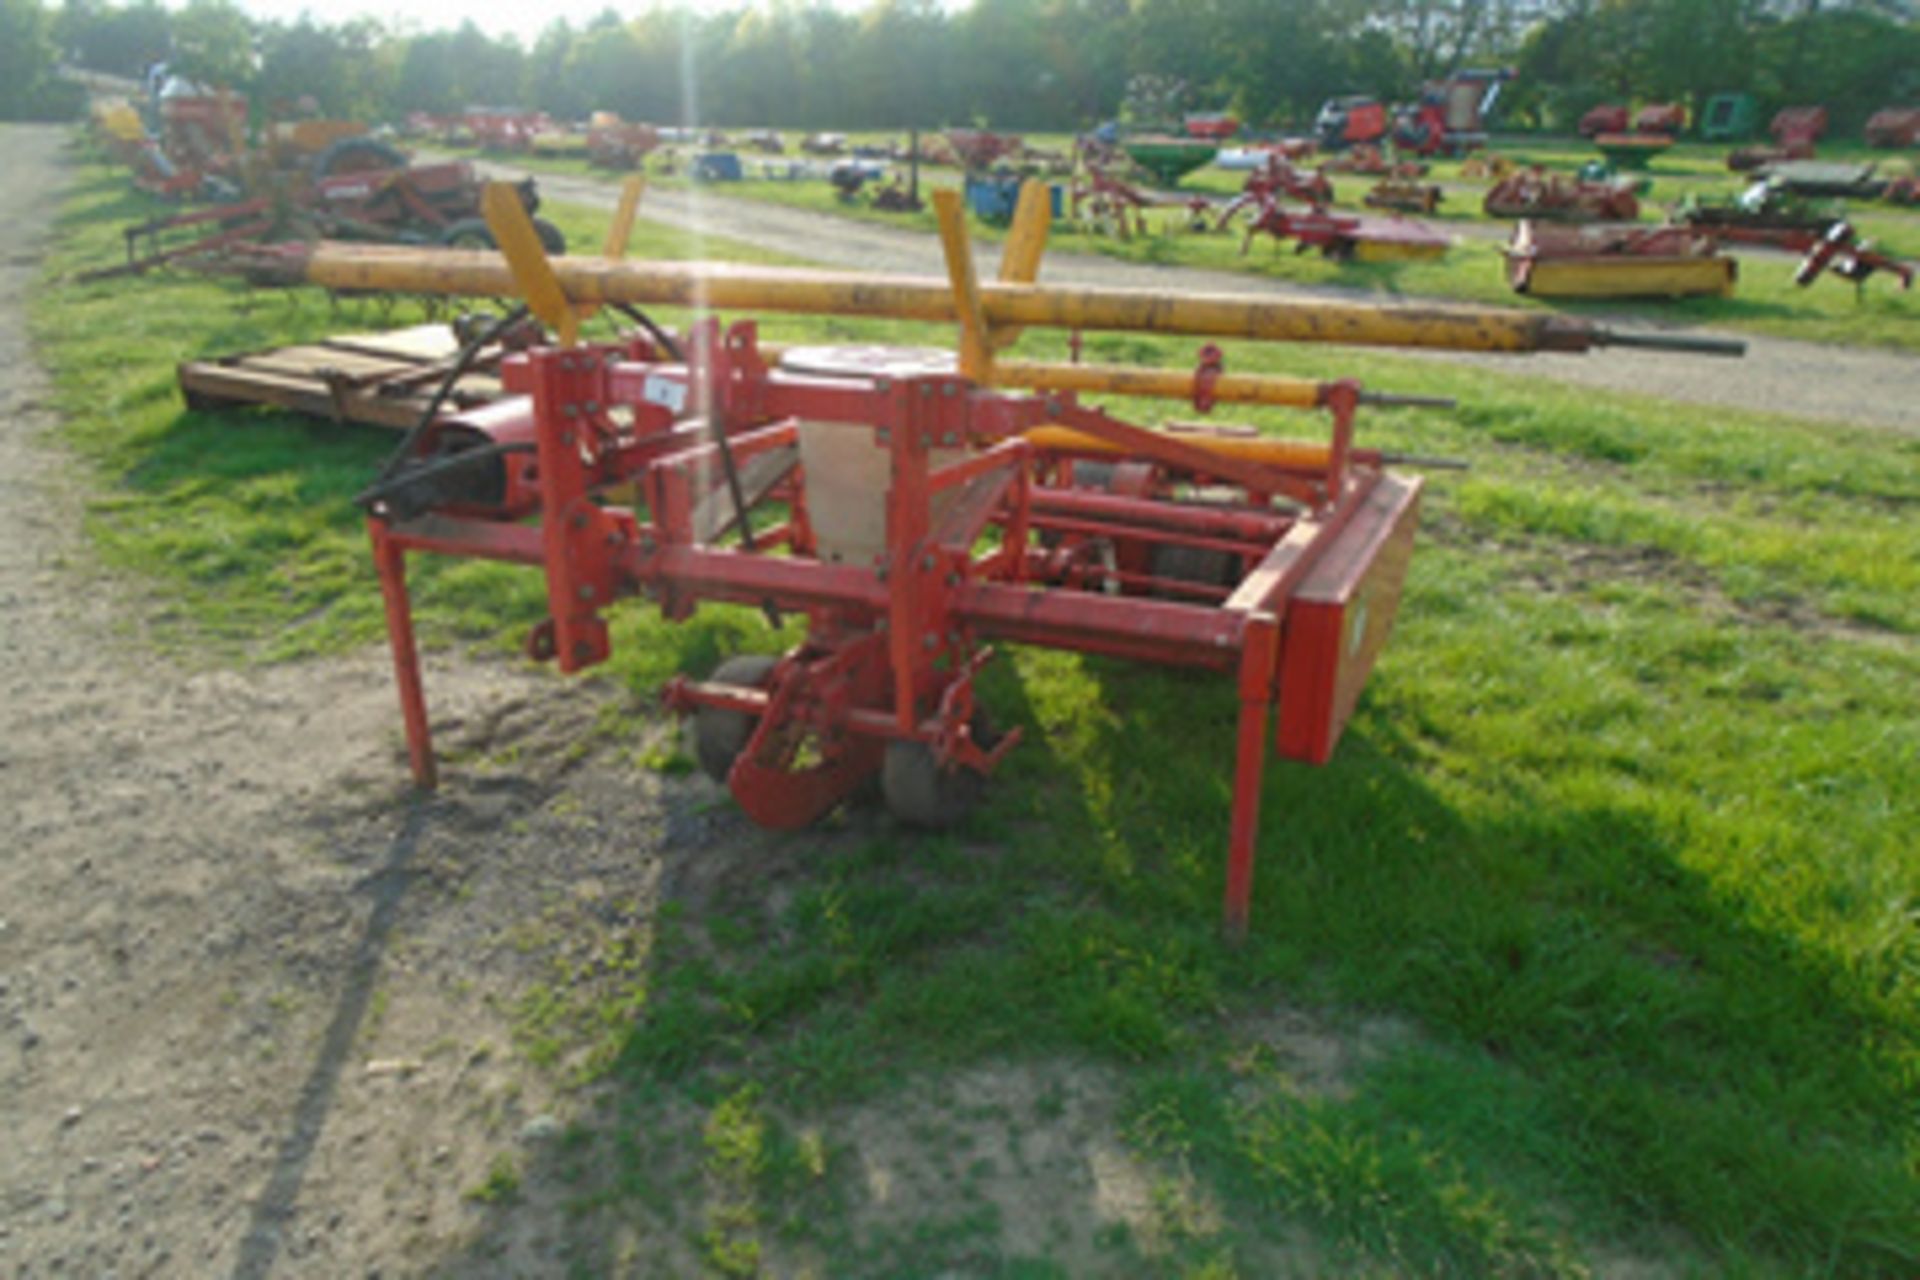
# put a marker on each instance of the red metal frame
(990, 546)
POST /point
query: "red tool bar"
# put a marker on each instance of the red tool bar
(1214, 522)
(741, 577)
(1150, 630)
(1098, 529)
(481, 539)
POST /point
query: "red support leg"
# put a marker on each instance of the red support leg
(1258, 661)
(390, 561)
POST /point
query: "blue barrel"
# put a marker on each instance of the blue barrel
(717, 166)
(994, 199)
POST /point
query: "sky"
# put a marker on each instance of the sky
(495, 17)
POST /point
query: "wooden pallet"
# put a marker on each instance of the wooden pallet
(375, 379)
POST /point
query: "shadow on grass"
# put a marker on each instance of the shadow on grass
(1634, 1048)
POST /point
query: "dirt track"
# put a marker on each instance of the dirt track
(259, 1002)
(249, 987)
(1849, 385)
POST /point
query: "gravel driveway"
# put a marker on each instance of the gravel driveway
(255, 996)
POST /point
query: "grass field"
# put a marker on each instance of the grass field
(1611, 894)
(1765, 300)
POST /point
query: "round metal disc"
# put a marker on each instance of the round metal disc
(869, 360)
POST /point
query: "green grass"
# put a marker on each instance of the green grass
(1620, 840)
(1766, 299)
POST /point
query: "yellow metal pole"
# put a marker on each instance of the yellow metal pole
(532, 271)
(753, 288)
(1027, 237)
(622, 229)
(743, 287)
(1271, 390)
(976, 349)
(1164, 384)
(1026, 243)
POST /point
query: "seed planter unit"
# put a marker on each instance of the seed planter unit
(916, 508)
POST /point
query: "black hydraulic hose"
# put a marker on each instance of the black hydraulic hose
(386, 486)
(654, 331)
(462, 363)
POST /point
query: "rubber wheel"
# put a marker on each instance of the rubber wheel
(357, 155)
(920, 793)
(720, 735)
(474, 233)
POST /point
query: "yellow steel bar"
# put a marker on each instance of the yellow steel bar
(622, 229)
(1268, 389)
(1165, 384)
(532, 270)
(1292, 454)
(976, 349)
(1027, 237)
(744, 287)
(1026, 243)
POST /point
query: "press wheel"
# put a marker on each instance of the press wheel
(719, 735)
(922, 794)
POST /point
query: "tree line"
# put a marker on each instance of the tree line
(1012, 64)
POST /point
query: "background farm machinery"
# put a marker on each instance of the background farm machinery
(915, 507)
(435, 204)
(1403, 192)
(1337, 235)
(1617, 260)
(1796, 131)
(1447, 118)
(1894, 128)
(613, 143)
(1533, 192)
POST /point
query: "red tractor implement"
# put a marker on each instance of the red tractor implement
(435, 204)
(917, 509)
(1894, 127)
(1608, 117)
(1450, 117)
(1795, 132)
(1538, 194)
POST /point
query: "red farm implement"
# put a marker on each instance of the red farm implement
(613, 143)
(1213, 126)
(1279, 177)
(1450, 116)
(1894, 127)
(1795, 130)
(916, 508)
(1404, 192)
(424, 204)
(1535, 193)
(1608, 117)
(1842, 252)
(509, 131)
(1100, 200)
(1341, 236)
(1619, 260)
